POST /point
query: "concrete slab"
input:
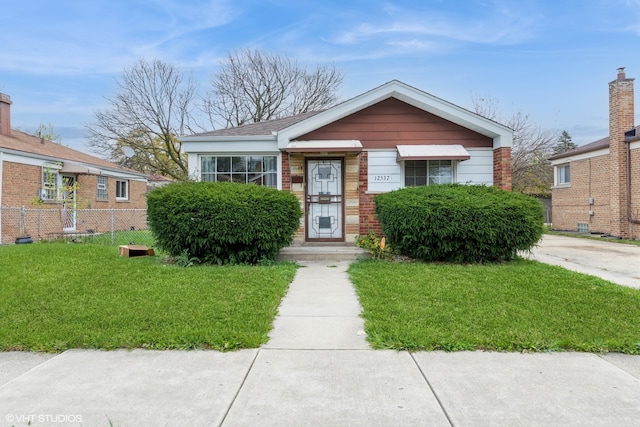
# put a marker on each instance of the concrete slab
(127, 388)
(626, 362)
(335, 388)
(15, 363)
(614, 262)
(319, 333)
(321, 289)
(561, 389)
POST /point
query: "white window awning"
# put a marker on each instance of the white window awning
(323, 146)
(70, 167)
(432, 152)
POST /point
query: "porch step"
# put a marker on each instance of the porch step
(322, 252)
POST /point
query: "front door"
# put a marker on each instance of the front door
(69, 203)
(324, 197)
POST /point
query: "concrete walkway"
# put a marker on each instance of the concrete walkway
(317, 370)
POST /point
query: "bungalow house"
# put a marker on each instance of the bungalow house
(36, 173)
(597, 185)
(335, 161)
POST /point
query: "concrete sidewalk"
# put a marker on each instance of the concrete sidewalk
(317, 370)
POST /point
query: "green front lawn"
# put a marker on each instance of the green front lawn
(522, 305)
(57, 296)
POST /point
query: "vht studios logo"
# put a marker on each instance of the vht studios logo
(43, 418)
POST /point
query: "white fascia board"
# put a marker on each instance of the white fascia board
(248, 144)
(634, 145)
(502, 135)
(31, 160)
(582, 156)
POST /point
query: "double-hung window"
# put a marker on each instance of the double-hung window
(563, 175)
(50, 183)
(260, 170)
(427, 172)
(102, 194)
(122, 190)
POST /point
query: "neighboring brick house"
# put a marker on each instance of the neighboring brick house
(337, 160)
(36, 173)
(597, 186)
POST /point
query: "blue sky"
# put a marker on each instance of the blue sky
(551, 59)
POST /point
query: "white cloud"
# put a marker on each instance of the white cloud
(495, 25)
(102, 36)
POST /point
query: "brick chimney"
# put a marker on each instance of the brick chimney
(5, 114)
(621, 112)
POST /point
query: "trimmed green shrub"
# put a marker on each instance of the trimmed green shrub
(459, 223)
(222, 222)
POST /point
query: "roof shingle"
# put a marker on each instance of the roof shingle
(260, 128)
(20, 141)
(587, 148)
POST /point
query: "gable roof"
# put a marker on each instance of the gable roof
(587, 148)
(22, 143)
(287, 129)
(501, 134)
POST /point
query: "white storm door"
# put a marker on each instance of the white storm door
(324, 200)
(69, 203)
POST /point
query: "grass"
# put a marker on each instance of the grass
(57, 296)
(138, 237)
(517, 306)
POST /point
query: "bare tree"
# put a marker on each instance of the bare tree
(532, 145)
(252, 86)
(150, 110)
(48, 132)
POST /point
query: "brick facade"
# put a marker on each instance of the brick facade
(21, 184)
(635, 194)
(368, 218)
(502, 168)
(603, 190)
(621, 118)
(572, 204)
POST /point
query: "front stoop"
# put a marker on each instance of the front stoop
(322, 252)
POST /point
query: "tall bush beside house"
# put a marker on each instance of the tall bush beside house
(222, 222)
(459, 223)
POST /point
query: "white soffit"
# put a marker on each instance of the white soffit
(323, 146)
(432, 152)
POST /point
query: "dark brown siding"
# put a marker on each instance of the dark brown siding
(392, 122)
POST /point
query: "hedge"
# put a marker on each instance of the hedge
(223, 222)
(459, 223)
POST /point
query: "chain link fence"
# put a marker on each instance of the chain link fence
(99, 226)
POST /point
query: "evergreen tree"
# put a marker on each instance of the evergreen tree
(564, 143)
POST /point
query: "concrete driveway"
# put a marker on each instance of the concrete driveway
(615, 262)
